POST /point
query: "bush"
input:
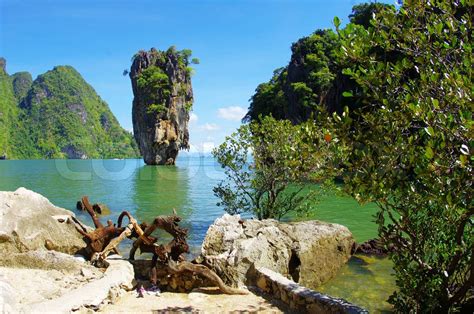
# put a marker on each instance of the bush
(412, 146)
(271, 168)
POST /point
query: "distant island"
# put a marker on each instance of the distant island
(57, 115)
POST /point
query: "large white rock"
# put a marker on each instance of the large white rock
(118, 277)
(309, 252)
(28, 221)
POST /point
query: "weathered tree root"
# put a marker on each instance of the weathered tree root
(99, 238)
(171, 254)
(202, 270)
(104, 239)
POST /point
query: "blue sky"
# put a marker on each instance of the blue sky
(239, 44)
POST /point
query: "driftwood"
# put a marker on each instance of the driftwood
(100, 209)
(169, 257)
(205, 272)
(99, 238)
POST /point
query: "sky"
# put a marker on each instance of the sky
(239, 44)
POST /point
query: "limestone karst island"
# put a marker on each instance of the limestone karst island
(236, 156)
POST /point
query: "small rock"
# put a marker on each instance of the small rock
(80, 206)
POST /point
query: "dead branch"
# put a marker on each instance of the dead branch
(171, 256)
(202, 270)
(104, 239)
(98, 239)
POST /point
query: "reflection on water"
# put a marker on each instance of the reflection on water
(148, 191)
(366, 281)
(159, 190)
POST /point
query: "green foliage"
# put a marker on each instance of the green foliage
(153, 78)
(62, 114)
(195, 61)
(274, 180)
(411, 146)
(156, 86)
(21, 84)
(188, 106)
(156, 109)
(189, 71)
(362, 14)
(186, 53)
(8, 113)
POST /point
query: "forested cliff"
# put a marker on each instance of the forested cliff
(58, 115)
(313, 76)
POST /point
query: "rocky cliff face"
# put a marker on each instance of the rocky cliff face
(163, 97)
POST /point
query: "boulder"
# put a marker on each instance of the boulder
(309, 252)
(28, 221)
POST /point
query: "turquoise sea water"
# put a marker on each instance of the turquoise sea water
(147, 191)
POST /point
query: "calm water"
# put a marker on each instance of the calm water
(147, 191)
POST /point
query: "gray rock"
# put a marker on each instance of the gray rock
(28, 221)
(309, 252)
(41, 259)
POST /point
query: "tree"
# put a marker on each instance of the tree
(270, 166)
(411, 146)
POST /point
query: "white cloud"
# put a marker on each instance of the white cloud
(209, 127)
(193, 117)
(204, 147)
(233, 113)
(207, 147)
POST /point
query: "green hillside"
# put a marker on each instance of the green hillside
(8, 109)
(58, 115)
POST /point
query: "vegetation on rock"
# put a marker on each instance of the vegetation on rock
(21, 84)
(8, 112)
(58, 115)
(163, 99)
(312, 78)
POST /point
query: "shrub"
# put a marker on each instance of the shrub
(412, 146)
(271, 168)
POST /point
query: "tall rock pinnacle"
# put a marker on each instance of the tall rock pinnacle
(163, 98)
